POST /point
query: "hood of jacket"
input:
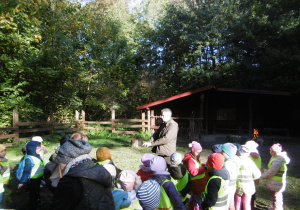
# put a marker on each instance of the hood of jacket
(31, 148)
(283, 156)
(87, 169)
(223, 172)
(177, 172)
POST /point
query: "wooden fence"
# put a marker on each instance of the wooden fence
(81, 125)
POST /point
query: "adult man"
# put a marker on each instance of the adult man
(164, 139)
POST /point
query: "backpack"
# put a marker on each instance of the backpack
(20, 170)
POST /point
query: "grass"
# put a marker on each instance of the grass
(126, 157)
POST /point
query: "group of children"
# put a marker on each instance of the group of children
(226, 181)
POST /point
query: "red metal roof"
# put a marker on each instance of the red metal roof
(211, 87)
(175, 97)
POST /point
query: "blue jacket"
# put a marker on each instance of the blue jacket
(31, 150)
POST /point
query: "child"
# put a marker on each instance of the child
(33, 171)
(216, 190)
(43, 148)
(248, 172)
(103, 155)
(276, 175)
(148, 194)
(125, 196)
(216, 148)
(4, 162)
(232, 165)
(198, 172)
(180, 176)
(255, 157)
(145, 172)
(170, 198)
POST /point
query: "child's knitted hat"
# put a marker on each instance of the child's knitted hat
(216, 148)
(128, 180)
(146, 159)
(216, 161)
(103, 153)
(175, 158)
(252, 145)
(196, 146)
(71, 150)
(149, 194)
(276, 148)
(230, 149)
(37, 138)
(2, 147)
(158, 165)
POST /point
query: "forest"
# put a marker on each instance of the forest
(98, 55)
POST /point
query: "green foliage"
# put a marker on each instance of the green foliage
(62, 56)
(145, 135)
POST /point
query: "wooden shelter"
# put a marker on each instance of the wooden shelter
(233, 111)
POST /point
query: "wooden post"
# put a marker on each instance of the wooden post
(77, 120)
(113, 117)
(143, 123)
(148, 117)
(83, 120)
(152, 123)
(51, 123)
(16, 124)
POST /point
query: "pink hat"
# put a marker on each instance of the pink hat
(216, 161)
(276, 148)
(128, 180)
(196, 146)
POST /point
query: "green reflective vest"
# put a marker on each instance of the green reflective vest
(257, 161)
(38, 168)
(101, 163)
(221, 203)
(164, 203)
(1, 184)
(281, 174)
(6, 173)
(198, 165)
(181, 183)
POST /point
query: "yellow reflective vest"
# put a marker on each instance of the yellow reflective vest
(221, 203)
(6, 173)
(1, 184)
(181, 183)
(198, 165)
(164, 203)
(38, 168)
(280, 176)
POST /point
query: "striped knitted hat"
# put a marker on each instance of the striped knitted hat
(149, 194)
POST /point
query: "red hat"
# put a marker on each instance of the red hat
(216, 161)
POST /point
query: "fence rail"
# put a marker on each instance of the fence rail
(48, 128)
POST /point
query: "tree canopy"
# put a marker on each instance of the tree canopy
(62, 55)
